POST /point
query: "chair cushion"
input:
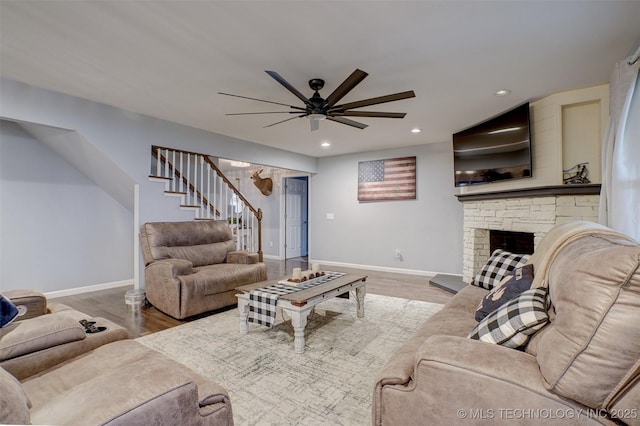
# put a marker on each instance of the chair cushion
(499, 264)
(592, 348)
(14, 402)
(512, 323)
(39, 333)
(201, 242)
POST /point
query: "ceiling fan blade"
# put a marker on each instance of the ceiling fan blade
(369, 114)
(288, 86)
(315, 124)
(267, 112)
(298, 116)
(347, 122)
(260, 100)
(352, 81)
(374, 101)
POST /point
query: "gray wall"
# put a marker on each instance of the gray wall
(126, 139)
(58, 230)
(427, 231)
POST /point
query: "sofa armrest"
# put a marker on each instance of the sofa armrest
(458, 379)
(32, 302)
(171, 267)
(242, 256)
(39, 333)
(126, 383)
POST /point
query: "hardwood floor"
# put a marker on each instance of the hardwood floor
(110, 303)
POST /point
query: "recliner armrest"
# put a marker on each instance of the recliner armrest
(459, 379)
(172, 267)
(32, 302)
(242, 257)
(38, 334)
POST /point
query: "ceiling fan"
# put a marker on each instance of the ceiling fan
(316, 108)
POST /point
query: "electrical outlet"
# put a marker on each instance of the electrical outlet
(270, 243)
(398, 254)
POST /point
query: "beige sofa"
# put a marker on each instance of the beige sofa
(48, 334)
(118, 383)
(194, 267)
(583, 367)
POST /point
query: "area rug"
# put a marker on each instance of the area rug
(331, 383)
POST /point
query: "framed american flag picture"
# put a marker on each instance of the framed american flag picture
(386, 180)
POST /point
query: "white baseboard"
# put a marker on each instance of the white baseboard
(272, 257)
(87, 289)
(379, 268)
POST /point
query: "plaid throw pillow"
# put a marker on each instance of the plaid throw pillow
(512, 323)
(499, 264)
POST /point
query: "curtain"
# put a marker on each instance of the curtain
(620, 193)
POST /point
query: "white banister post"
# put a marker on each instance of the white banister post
(158, 169)
(194, 201)
(181, 169)
(253, 228)
(188, 175)
(166, 163)
(215, 202)
(208, 191)
(173, 175)
(202, 205)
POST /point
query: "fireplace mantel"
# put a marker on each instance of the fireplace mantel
(539, 191)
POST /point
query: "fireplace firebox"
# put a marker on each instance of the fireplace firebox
(514, 242)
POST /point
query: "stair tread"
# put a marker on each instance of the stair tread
(160, 177)
(175, 192)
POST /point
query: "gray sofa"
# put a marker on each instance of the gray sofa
(120, 382)
(583, 367)
(194, 267)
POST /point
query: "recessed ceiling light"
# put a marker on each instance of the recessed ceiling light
(325, 144)
(416, 130)
(503, 92)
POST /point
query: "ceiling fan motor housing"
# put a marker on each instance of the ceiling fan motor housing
(316, 84)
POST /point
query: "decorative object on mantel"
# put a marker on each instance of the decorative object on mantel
(265, 185)
(387, 180)
(576, 174)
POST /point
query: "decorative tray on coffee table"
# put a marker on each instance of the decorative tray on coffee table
(324, 277)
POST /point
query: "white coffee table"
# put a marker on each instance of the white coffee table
(300, 304)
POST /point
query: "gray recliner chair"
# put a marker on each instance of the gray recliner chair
(194, 267)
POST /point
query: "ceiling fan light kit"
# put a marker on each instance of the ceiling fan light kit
(316, 108)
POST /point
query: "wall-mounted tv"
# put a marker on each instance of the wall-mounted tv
(495, 150)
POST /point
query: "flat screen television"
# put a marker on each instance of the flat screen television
(495, 150)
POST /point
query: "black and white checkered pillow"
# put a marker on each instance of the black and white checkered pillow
(499, 264)
(512, 323)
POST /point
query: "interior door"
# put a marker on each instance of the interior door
(296, 216)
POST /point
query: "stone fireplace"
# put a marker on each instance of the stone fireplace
(532, 211)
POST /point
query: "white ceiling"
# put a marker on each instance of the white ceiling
(169, 59)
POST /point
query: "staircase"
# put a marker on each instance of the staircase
(202, 187)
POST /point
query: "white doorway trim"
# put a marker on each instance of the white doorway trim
(282, 252)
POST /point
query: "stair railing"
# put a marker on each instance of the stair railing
(205, 189)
